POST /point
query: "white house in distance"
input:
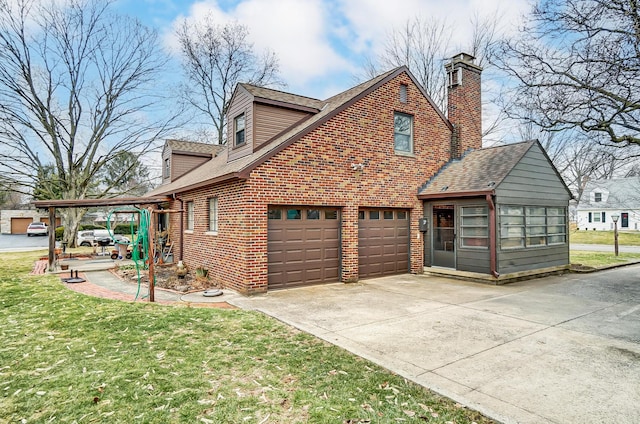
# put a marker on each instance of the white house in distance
(604, 199)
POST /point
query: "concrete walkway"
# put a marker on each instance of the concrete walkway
(553, 350)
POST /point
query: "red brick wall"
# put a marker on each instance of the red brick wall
(316, 170)
(465, 110)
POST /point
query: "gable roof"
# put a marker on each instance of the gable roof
(220, 169)
(618, 193)
(186, 147)
(478, 172)
(271, 96)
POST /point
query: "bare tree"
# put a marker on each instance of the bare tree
(425, 44)
(76, 88)
(217, 57)
(422, 45)
(577, 64)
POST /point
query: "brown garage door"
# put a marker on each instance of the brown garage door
(383, 242)
(19, 225)
(303, 246)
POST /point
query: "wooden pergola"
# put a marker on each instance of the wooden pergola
(52, 205)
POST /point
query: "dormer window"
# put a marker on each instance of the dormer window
(238, 124)
(597, 197)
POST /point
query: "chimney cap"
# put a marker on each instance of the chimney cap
(462, 58)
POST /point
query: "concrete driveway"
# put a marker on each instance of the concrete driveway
(558, 349)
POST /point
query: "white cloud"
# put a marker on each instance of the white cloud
(295, 30)
(370, 21)
(321, 43)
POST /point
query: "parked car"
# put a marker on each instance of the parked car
(37, 229)
(91, 237)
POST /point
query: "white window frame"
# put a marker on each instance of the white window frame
(236, 131)
(396, 133)
(213, 215)
(190, 216)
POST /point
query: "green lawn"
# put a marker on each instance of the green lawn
(601, 259)
(625, 238)
(66, 357)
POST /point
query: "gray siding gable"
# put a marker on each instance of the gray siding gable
(533, 180)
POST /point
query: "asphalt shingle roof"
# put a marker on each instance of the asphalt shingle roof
(219, 168)
(618, 193)
(478, 171)
(281, 96)
(192, 146)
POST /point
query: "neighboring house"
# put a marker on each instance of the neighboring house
(601, 199)
(16, 221)
(309, 191)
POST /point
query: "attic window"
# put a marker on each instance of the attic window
(167, 168)
(238, 124)
(597, 197)
(403, 93)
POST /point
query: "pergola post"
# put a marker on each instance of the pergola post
(52, 238)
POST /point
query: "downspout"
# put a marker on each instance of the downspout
(492, 237)
(181, 253)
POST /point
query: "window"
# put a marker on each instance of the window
(213, 214)
(597, 197)
(511, 227)
(331, 214)
(387, 214)
(474, 227)
(239, 130)
(275, 214)
(313, 214)
(190, 217)
(532, 226)
(167, 168)
(403, 133)
(294, 214)
(596, 217)
(374, 214)
(556, 226)
(402, 215)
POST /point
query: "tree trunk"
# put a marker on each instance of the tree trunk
(71, 220)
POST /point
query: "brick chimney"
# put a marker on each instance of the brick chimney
(464, 104)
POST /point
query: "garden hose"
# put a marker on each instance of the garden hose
(139, 239)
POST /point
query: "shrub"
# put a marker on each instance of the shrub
(59, 233)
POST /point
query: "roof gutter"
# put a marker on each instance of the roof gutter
(456, 195)
(226, 177)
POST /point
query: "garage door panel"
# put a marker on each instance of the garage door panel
(383, 243)
(19, 225)
(303, 251)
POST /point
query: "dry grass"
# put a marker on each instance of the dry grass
(66, 357)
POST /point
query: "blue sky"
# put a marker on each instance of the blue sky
(322, 44)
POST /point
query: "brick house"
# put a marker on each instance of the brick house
(308, 191)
